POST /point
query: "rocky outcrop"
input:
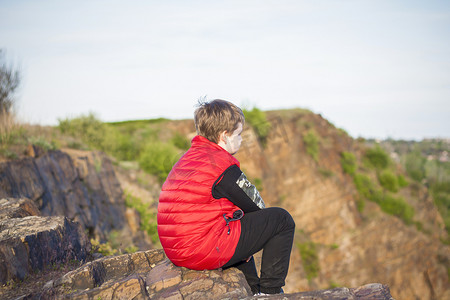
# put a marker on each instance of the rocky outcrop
(77, 184)
(144, 275)
(29, 242)
(150, 275)
(17, 208)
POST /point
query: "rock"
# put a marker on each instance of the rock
(17, 208)
(77, 184)
(150, 275)
(20, 178)
(35, 151)
(145, 275)
(32, 243)
(373, 291)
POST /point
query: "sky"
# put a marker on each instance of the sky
(375, 68)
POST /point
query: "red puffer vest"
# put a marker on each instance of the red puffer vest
(191, 224)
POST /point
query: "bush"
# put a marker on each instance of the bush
(158, 159)
(441, 196)
(123, 147)
(180, 141)
(147, 216)
(312, 144)
(348, 163)
(105, 249)
(377, 158)
(258, 120)
(366, 188)
(388, 180)
(101, 136)
(90, 129)
(398, 207)
(310, 259)
(402, 182)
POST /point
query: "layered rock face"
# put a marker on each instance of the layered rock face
(29, 242)
(79, 185)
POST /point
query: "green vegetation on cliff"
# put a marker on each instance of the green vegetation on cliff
(310, 259)
(312, 144)
(258, 121)
(376, 181)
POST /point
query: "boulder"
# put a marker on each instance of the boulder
(32, 243)
(17, 208)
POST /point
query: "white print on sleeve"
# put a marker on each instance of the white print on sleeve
(250, 190)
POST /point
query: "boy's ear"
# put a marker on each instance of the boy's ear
(222, 137)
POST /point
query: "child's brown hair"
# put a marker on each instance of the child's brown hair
(212, 118)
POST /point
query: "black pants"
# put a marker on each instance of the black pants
(271, 229)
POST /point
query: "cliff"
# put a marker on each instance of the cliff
(353, 245)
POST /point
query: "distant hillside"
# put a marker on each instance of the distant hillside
(361, 214)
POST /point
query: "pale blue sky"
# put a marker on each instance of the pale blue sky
(376, 68)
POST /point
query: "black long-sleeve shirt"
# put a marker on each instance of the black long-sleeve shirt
(234, 185)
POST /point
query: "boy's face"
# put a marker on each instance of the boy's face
(233, 141)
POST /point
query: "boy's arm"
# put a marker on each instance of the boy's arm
(234, 186)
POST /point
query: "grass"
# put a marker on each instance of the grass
(147, 216)
(129, 141)
(348, 163)
(258, 121)
(310, 259)
(8, 128)
(11, 135)
(158, 159)
(112, 246)
(312, 144)
(326, 173)
(106, 249)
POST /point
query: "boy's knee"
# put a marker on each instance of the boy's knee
(284, 216)
(289, 220)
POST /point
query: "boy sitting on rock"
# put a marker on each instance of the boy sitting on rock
(210, 216)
